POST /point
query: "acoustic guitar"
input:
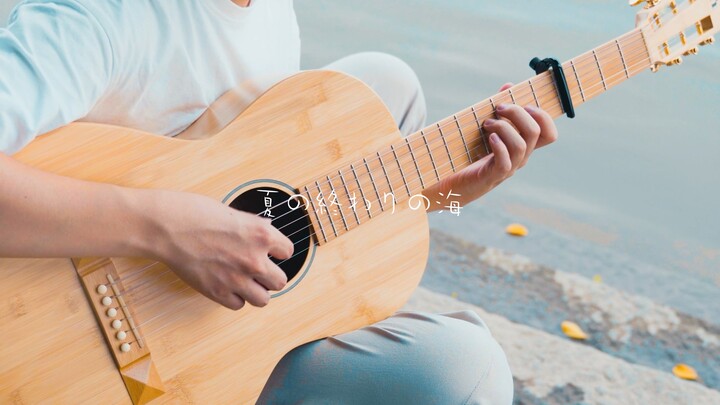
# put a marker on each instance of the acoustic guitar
(322, 156)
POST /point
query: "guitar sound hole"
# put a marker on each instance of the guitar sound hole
(293, 222)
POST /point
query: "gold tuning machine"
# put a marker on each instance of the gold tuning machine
(675, 61)
(707, 41)
(691, 51)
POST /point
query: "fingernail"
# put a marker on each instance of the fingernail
(489, 121)
(530, 108)
(502, 107)
(494, 138)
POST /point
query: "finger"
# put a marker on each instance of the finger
(252, 292)
(280, 246)
(525, 124)
(548, 130)
(273, 278)
(505, 86)
(515, 144)
(501, 163)
(234, 302)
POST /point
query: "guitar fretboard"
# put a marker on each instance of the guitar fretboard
(346, 198)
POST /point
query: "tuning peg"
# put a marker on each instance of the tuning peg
(707, 41)
(675, 61)
(634, 3)
(654, 68)
(691, 51)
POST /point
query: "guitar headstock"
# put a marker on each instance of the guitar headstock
(673, 29)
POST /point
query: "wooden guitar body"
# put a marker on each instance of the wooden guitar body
(54, 350)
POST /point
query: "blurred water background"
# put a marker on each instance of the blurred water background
(629, 192)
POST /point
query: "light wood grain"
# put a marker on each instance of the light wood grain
(53, 350)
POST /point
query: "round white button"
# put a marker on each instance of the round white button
(106, 301)
(101, 289)
(125, 347)
(121, 335)
(112, 312)
(116, 324)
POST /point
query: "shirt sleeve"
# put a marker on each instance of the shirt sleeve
(55, 63)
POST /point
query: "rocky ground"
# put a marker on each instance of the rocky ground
(632, 346)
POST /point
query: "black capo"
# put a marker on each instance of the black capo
(540, 66)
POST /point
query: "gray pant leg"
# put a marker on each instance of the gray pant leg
(409, 358)
(394, 81)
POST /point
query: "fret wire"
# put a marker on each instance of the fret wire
(372, 180)
(386, 175)
(442, 136)
(577, 77)
(402, 174)
(432, 159)
(532, 89)
(312, 203)
(622, 58)
(602, 77)
(512, 97)
(462, 137)
(492, 104)
(412, 154)
(342, 214)
(332, 223)
(347, 192)
(480, 130)
(362, 193)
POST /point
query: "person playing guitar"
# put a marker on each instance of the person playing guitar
(156, 66)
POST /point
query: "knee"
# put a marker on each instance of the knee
(394, 81)
(464, 362)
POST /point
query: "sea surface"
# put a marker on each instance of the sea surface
(629, 192)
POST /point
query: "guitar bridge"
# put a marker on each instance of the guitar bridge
(129, 349)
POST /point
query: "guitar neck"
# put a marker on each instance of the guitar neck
(402, 171)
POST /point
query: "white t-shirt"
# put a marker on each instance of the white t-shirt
(154, 65)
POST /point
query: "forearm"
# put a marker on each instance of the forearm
(45, 215)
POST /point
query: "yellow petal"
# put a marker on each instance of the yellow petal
(571, 329)
(597, 278)
(685, 372)
(454, 294)
(516, 230)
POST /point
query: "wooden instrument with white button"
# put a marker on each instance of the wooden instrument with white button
(321, 155)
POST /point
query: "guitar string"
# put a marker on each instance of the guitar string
(438, 144)
(412, 181)
(188, 287)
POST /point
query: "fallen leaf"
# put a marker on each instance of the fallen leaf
(516, 230)
(454, 294)
(572, 330)
(685, 372)
(597, 278)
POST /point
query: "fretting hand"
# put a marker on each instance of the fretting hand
(512, 139)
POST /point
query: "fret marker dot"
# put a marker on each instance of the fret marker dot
(121, 335)
(112, 312)
(116, 324)
(106, 301)
(101, 289)
(125, 347)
